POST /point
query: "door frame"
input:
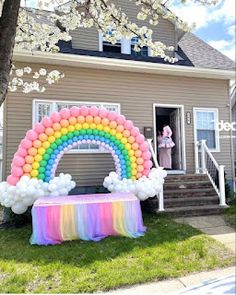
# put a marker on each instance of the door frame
(182, 129)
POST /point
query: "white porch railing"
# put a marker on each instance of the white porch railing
(160, 196)
(205, 163)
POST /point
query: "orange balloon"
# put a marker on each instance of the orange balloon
(113, 124)
(26, 174)
(72, 120)
(126, 133)
(80, 119)
(56, 126)
(64, 123)
(139, 161)
(89, 119)
(43, 137)
(29, 159)
(37, 143)
(32, 151)
(49, 131)
(105, 121)
(120, 128)
(97, 120)
(131, 139)
(138, 153)
(27, 168)
(140, 168)
(135, 146)
(138, 175)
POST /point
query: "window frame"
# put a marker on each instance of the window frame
(216, 116)
(54, 109)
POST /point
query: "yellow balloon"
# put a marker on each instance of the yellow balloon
(131, 153)
(106, 128)
(119, 135)
(100, 127)
(133, 177)
(78, 126)
(133, 165)
(93, 126)
(41, 151)
(133, 159)
(85, 125)
(34, 173)
(113, 132)
(38, 158)
(46, 144)
(51, 139)
(128, 146)
(57, 134)
(35, 165)
(64, 131)
(71, 128)
(124, 140)
(134, 172)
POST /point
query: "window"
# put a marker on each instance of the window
(143, 50)
(109, 47)
(206, 127)
(43, 108)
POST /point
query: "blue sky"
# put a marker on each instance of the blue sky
(214, 24)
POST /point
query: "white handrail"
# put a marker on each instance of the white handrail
(203, 168)
(161, 194)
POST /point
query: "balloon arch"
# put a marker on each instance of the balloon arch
(43, 146)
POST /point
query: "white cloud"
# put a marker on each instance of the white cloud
(224, 46)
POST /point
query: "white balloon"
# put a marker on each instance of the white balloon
(19, 208)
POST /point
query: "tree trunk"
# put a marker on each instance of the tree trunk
(8, 24)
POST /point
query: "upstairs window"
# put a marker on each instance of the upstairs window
(42, 108)
(110, 47)
(143, 51)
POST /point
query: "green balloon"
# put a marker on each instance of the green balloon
(83, 132)
(43, 163)
(95, 132)
(54, 145)
(46, 157)
(49, 151)
(77, 133)
(70, 135)
(41, 176)
(64, 138)
(59, 141)
(41, 169)
(89, 131)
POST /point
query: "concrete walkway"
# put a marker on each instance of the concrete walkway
(214, 226)
(178, 286)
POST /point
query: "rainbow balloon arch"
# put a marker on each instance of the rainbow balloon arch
(34, 164)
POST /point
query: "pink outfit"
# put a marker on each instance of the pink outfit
(165, 143)
(167, 131)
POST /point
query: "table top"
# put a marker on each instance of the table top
(85, 199)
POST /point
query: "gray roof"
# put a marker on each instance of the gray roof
(202, 55)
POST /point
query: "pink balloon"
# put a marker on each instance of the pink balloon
(31, 135)
(55, 117)
(84, 111)
(145, 172)
(17, 171)
(12, 180)
(39, 128)
(26, 144)
(146, 155)
(140, 138)
(18, 161)
(93, 111)
(112, 116)
(47, 122)
(134, 131)
(128, 125)
(120, 119)
(22, 152)
(65, 113)
(83, 141)
(147, 164)
(103, 113)
(75, 111)
(143, 147)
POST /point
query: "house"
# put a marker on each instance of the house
(192, 96)
(233, 108)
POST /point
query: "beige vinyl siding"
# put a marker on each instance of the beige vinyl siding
(136, 92)
(88, 38)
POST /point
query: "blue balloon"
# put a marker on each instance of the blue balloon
(70, 141)
(54, 156)
(47, 179)
(48, 173)
(64, 144)
(97, 137)
(50, 162)
(86, 137)
(91, 137)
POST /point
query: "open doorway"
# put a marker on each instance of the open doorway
(173, 117)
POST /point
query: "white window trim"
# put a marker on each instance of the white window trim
(54, 108)
(217, 134)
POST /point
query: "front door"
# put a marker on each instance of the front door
(175, 125)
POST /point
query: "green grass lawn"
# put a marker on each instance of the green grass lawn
(230, 216)
(167, 250)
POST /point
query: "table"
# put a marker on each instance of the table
(86, 217)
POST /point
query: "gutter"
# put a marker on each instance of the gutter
(71, 60)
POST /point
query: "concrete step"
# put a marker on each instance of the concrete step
(192, 201)
(187, 193)
(186, 177)
(193, 210)
(193, 184)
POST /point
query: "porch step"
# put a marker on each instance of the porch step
(192, 201)
(185, 177)
(191, 184)
(188, 193)
(194, 210)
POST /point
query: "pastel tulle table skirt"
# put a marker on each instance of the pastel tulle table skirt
(86, 217)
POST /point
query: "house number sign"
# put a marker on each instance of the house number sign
(188, 118)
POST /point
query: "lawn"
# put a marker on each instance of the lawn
(230, 215)
(167, 250)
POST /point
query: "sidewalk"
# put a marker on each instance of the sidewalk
(213, 225)
(179, 285)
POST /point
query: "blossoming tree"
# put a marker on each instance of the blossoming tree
(21, 28)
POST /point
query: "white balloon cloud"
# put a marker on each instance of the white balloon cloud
(143, 188)
(28, 190)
